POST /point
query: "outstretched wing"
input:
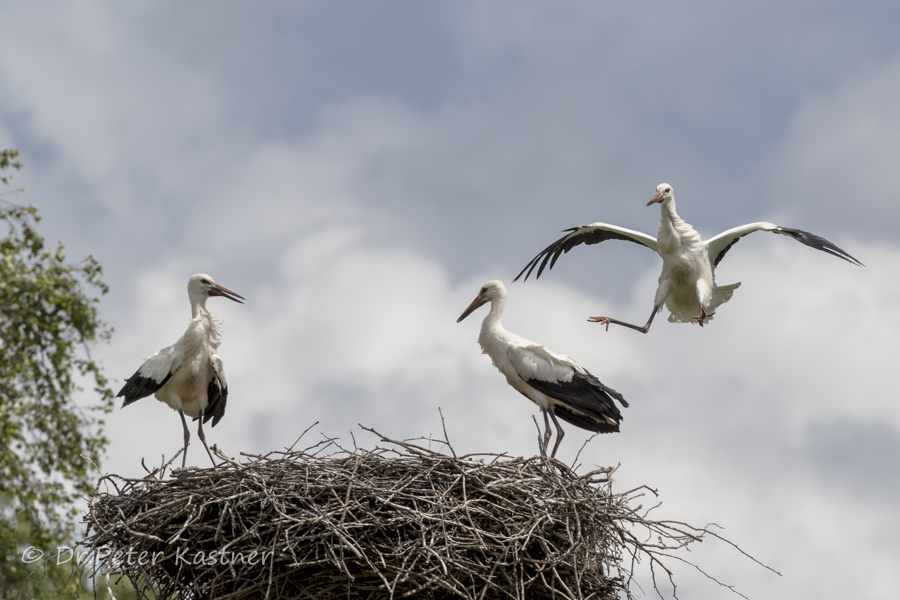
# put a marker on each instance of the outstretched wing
(216, 392)
(586, 234)
(152, 375)
(720, 244)
(582, 399)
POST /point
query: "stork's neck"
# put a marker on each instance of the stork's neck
(673, 230)
(668, 217)
(491, 323)
(198, 307)
(204, 326)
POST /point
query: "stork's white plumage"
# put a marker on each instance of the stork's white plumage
(687, 282)
(188, 375)
(556, 383)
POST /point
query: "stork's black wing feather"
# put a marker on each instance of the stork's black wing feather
(804, 237)
(584, 401)
(726, 249)
(217, 398)
(818, 242)
(138, 386)
(579, 420)
(585, 234)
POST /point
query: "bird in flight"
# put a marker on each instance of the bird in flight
(687, 285)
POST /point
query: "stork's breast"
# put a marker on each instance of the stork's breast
(681, 274)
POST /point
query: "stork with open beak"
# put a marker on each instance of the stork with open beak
(189, 376)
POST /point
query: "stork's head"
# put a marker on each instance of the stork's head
(489, 292)
(664, 192)
(202, 286)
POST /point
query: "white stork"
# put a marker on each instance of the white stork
(554, 382)
(687, 282)
(188, 375)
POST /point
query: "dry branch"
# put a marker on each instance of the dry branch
(397, 521)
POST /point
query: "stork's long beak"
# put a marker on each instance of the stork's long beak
(221, 290)
(475, 304)
(658, 197)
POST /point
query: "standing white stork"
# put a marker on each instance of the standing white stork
(687, 282)
(554, 382)
(188, 375)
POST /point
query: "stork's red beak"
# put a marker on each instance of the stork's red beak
(221, 290)
(658, 197)
(475, 304)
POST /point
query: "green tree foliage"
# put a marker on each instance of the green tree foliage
(49, 446)
(8, 160)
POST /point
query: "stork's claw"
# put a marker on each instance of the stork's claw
(703, 315)
(601, 320)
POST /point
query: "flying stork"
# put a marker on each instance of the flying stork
(188, 375)
(554, 382)
(687, 283)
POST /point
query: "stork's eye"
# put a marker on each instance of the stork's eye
(204, 281)
(483, 290)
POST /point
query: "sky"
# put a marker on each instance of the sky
(358, 170)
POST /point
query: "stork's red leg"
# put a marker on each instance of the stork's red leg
(203, 437)
(187, 438)
(606, 321)
(547, 432)
(559, 435)
(703, 315)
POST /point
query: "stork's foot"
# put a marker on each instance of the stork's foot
(607, 320)
(602, 320)
(703, 315)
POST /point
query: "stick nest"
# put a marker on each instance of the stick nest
(398, 521)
